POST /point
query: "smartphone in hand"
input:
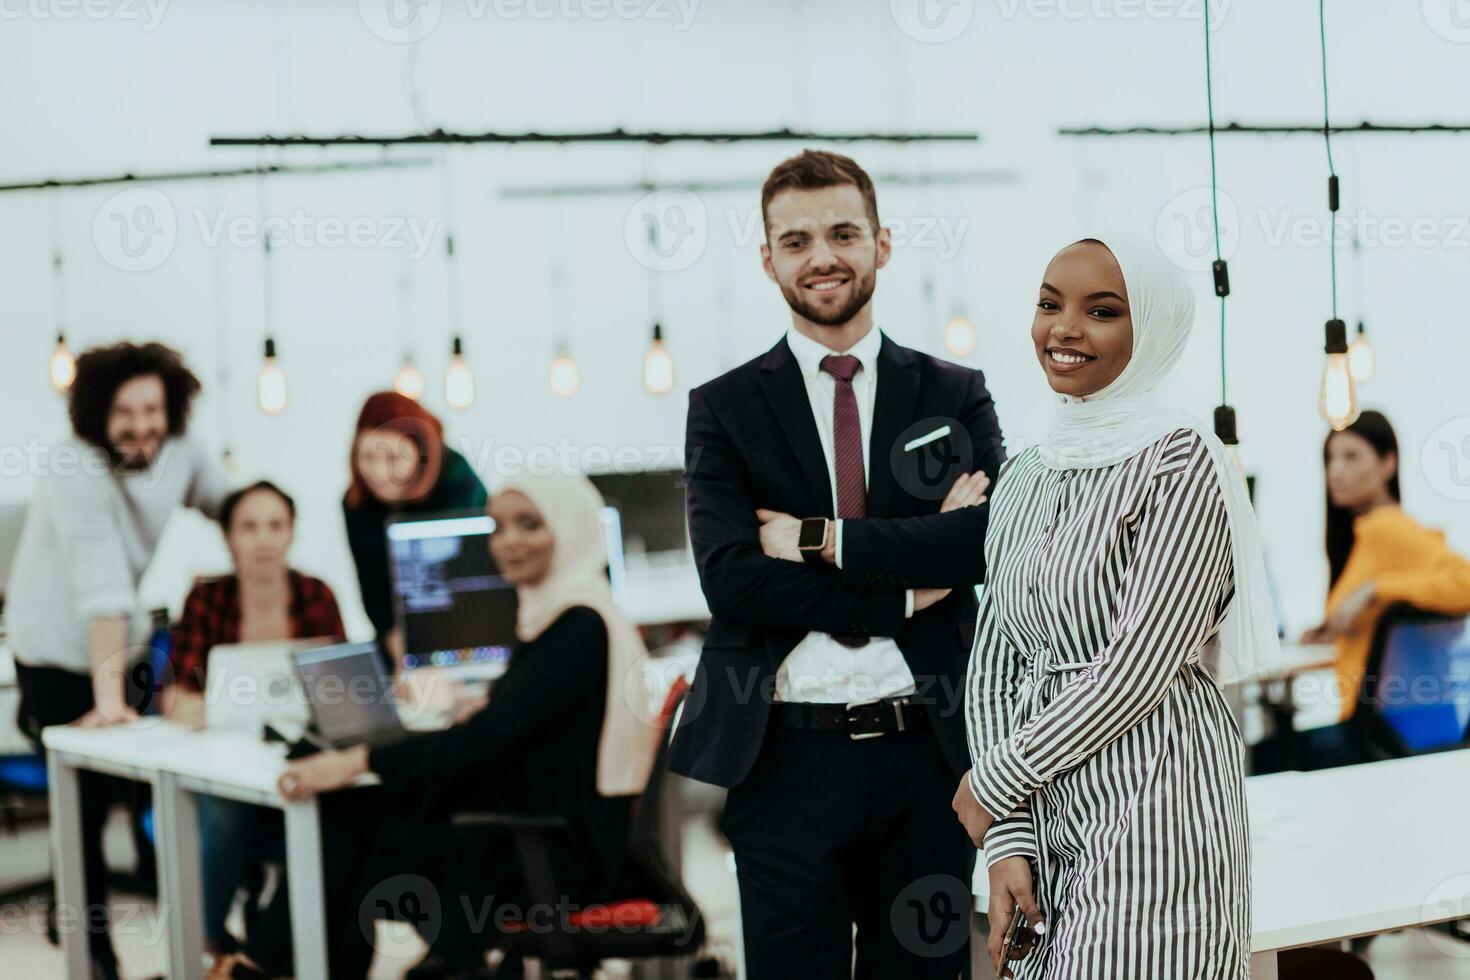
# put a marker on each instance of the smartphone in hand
(1020, 937)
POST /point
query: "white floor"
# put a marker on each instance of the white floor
(1409, 955)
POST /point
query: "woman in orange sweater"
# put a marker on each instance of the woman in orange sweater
(1378, 556)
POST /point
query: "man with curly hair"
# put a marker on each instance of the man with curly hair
(102, 499)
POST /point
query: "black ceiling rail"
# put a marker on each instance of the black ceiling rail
(1268, 128)
(534, 192)
(52, 183)
(620, 135)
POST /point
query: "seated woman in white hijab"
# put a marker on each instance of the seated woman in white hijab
(1125, 583)
(559, 736)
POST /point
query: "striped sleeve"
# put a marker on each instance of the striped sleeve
(990, 687)
(1170, 595)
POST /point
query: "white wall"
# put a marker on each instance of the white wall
(99, 94)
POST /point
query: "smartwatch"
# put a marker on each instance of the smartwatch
(811, 540)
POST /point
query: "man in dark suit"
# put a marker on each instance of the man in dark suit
(829, 693)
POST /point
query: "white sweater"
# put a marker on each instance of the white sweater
(88, 538)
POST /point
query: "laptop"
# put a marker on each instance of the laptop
(349, 698)
(249, 685)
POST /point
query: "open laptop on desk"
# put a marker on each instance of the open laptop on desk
(348, 696)
(250, 685)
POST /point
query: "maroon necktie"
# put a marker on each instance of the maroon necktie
(847, 438)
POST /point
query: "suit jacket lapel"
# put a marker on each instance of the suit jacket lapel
(898, 390)
(785, 389)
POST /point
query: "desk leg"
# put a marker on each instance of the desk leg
(308, 897)
(182, 897)
(68, 870)
(1263, 965)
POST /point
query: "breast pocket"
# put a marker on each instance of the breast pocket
(929, 455)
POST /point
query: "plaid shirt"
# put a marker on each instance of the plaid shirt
(212, 616)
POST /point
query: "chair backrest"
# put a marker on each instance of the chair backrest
(647, 820)
(1415, 696)
(651, 871)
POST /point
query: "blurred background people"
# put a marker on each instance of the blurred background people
(561, 708)
(264, 599)
(95, 520)
(400, 465)
(1378, 556)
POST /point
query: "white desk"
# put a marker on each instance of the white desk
(1351, 852)
(181, 764)
(654, 596)
(1296, 659)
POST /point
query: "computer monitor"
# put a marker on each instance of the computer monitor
(1423, 690)
(650, 506)
(12, 519)
(455, 608)
(348, 695)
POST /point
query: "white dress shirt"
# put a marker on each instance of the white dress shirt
(819, 669)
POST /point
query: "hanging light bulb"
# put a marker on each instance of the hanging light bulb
(1360, 356)
(658, 365)
(409, 381)
(270, 387)
(459, 380)
(63, 365)
(1225, 429)
(959, 335)
(564, 375)
(1338, 400)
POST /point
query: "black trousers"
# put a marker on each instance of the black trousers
(53, 696)
(831, 833)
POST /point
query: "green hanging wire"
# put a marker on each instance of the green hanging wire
(1221, 290)
(1332, 189)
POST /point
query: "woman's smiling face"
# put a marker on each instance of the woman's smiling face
(1083, 329)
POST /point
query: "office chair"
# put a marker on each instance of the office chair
(659, 920)
(1415, 695)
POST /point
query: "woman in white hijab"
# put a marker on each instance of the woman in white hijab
(561, 735)
(1125, 583)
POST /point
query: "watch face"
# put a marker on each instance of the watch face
(813, 533)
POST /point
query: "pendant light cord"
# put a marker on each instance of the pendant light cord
(1327, 140)
(1214, 189)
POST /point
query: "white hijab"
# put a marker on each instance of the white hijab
(1126, 417)
(571, 507)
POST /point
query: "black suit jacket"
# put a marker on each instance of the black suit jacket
(752, 442)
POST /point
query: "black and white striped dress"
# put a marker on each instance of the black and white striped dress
(1093, 727)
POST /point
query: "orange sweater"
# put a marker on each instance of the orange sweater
(1409, 563)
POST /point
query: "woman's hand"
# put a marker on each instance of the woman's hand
(1010, 885)
(1343, 620)
(322, 773)
(976, 818)
(968, 491)
(185, 707)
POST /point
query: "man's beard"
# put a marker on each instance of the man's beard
(862, 293)
(132, 461)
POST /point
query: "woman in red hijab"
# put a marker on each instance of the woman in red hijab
(400, 465)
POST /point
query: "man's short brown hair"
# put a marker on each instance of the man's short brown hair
(814, 169)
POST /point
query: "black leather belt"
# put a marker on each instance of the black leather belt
(859, 719)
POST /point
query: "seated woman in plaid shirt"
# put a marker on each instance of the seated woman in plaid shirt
(263, 600)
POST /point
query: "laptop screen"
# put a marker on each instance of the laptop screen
(348, 694)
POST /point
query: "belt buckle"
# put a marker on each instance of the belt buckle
(859, 736)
